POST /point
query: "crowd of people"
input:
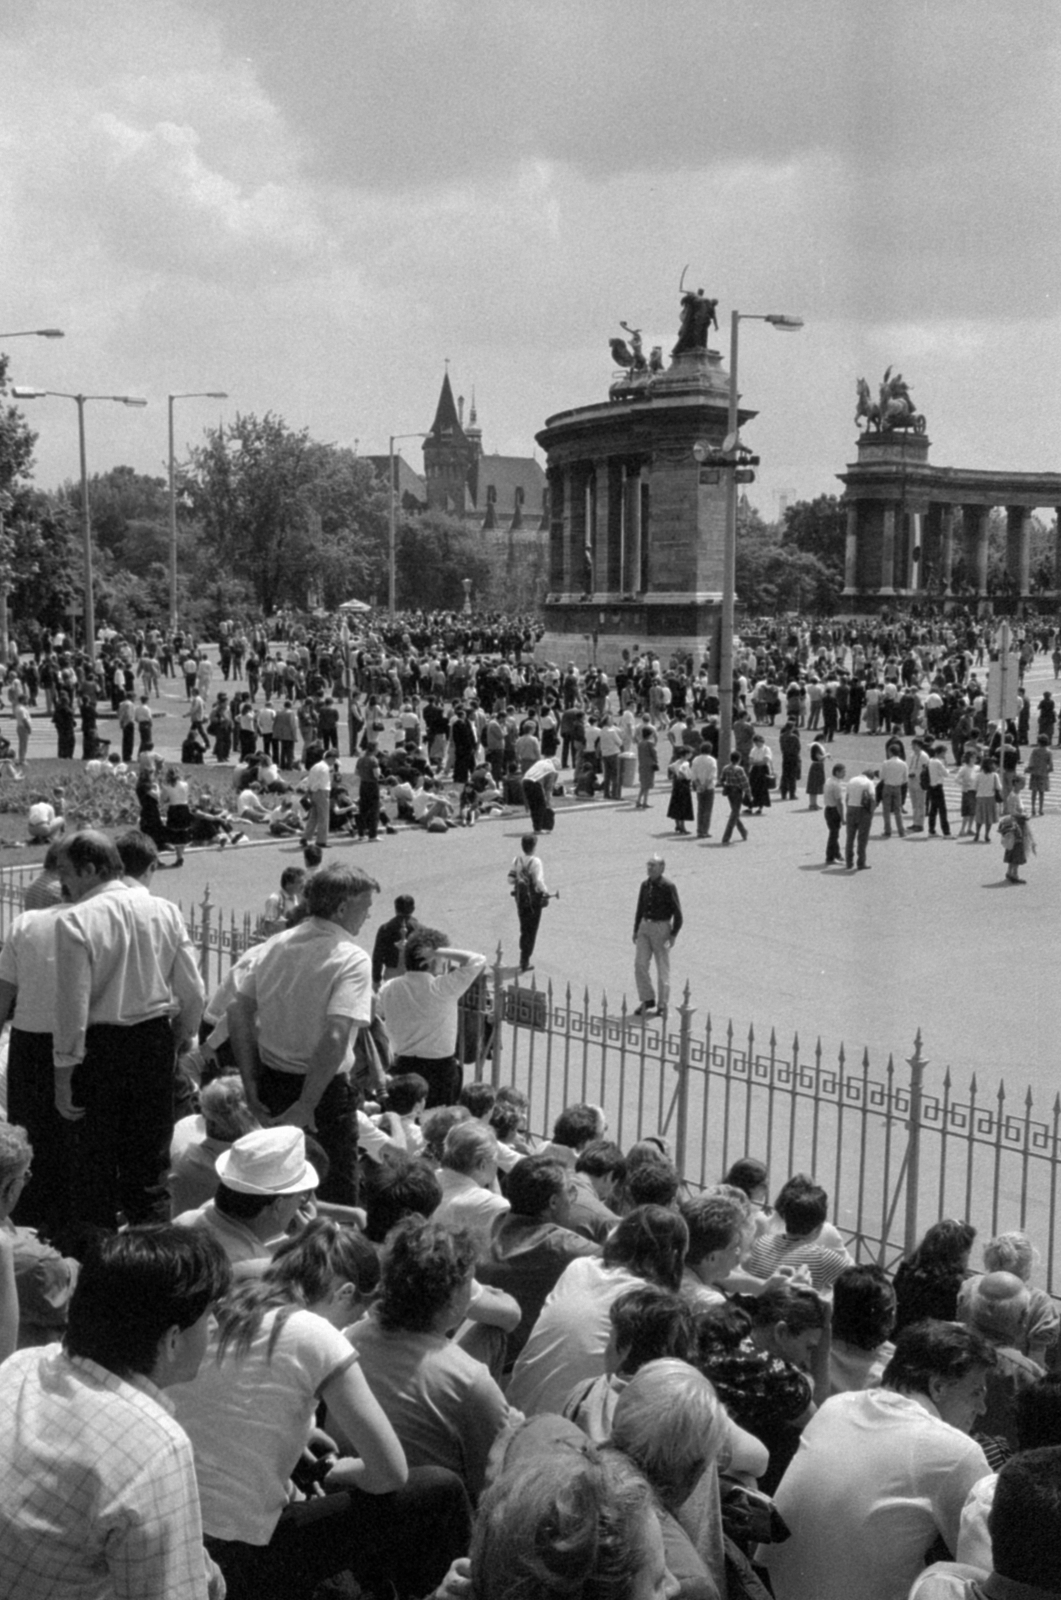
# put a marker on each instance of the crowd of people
(285, 1302)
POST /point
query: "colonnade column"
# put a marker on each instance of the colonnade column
(916, 556)
(632, 545)
(851, 550)
(603, 558)
(976, 522)
(559, 489)
(1019, 546)
(947, 546)
(887, 552)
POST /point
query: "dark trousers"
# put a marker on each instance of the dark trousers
(613, 788)
(736, 800)
(705, 804)
(336, 1131)
(286, 749)
(859, 823)
(125, 1084)
(937, 810)
(443, 1075)
(833, 821)
(128, 735)
(46, 1202)
(534, 794)
(529, 918)
(407, 1539)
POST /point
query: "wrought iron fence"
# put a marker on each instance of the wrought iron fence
(895, 1152)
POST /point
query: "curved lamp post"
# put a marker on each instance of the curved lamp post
(191, 394)
(729, 558)
(86, 525)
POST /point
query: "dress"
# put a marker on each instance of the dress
(178, 814)
(816, 772)
(680, 806)
(760, 773)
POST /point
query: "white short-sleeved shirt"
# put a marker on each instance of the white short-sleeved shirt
(304, 975)
(249, 1417)
(568, 1342)
(420, 1010)
(27, 959)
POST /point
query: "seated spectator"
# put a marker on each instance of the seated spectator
(98, 1492)
(396, 1187)
(771, 1222)
(651, 1178)
(279, 906)
(44, 1279)
(803, 1211)
(997, 1309)
(45, 821)
(769, 1360)
(199, 1139)
(751, 1177)
(285, 819)
(882, 1474)
(505, 1119)
(863, 1320)
(1025, 1538)
(435, 1125)
(563, 1519)
(45, 890)
(928, 1281)
(568, 1342)
(479, 1098)
(251, 807)
(716, 1242)
(600, 1171)
(1038, 1428)
(407, 1099)
(263, 1179)
(1014, 1252)
(532, 1246)
(443, 1404)
(575, 1127)
(470, 1197)
(275, 1353)
(647, 1324)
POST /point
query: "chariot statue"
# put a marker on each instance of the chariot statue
(893, 410)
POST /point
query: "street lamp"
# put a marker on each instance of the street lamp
(35, 333)
(729, 557)
(86, 525)
(193, 394)
(391, 571)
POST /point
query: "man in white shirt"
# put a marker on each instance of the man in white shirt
(468, 1175)
(318, 786)
(420, 1010)
(703, 770)
(609, 746)
(295, 1018)
(128, 995)
(894, 775)
(861, 804)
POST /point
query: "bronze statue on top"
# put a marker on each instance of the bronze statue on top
(632, 356)
(894, 409)
(698, 318)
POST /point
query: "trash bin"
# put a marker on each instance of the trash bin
(628, 769)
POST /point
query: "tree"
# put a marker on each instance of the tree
(434, 553)
(295, 519)
(130, 518)
(819, 527)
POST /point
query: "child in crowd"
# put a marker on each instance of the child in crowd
(967, 775)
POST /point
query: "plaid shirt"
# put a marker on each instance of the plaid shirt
(98, 1498)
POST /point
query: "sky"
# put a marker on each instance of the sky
(314, 206)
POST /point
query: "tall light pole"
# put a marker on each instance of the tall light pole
(729, 554)
(392, 565)
(21, 333)
(192, 394)
(86, 524)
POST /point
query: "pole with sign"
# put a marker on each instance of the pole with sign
(1003, 681)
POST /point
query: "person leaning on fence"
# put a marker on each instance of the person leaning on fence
(420, 1011)
(311, 977)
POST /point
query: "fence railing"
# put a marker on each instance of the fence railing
(895, 1151)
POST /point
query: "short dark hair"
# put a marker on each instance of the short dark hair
(292, 876)
(421, 946)
(651, 1241)
(798, 1308)
(748, 1173)
(504, 1118)
(332, 886)
(803, 1209)
(424, 1263)
(396, 1187)
(404, 905)
(138, 853)
(479, 1098)
(135, 1286)
(863, 1306)
(405, 1092)
(534, 1182)
(651, 1323)
(601, 1158)
(1038, 1412)
(654, 1183)
(436, 1125)
(577, 1125)
(714, 1221)
(945, 1244)
(930, 1349)
(1025, 1519)
(89, 851)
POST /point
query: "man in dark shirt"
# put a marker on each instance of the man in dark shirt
(657, 923)
(388, 952)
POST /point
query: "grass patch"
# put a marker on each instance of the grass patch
(108, 803)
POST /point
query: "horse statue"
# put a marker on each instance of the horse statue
(866, 408)
(896, 407)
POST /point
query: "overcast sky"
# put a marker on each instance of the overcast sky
(312, 205)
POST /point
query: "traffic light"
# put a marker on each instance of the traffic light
(744, 464)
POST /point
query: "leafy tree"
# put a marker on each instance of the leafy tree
(292, 518)
(130, 518)
(819, 527)
(434, 553)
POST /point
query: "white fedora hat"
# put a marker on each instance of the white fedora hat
(268, 1161)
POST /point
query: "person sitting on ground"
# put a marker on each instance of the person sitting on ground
(568, 1342)
(927, 1283)
(505, 1121)
(275, 1353)
(479, 1098)
(717, 1228)
(803, 1211)
(263, 1178)
(600, 1172)
(443, 1404)
(863, 1320)
(279, 906)
(250, 806)
(98, 1491)
(407, 1100)
(532, 1246)
(651, 1177)
(470, 1195)
(751, 1175)
(199, 1139)
(45, 890)
(1038, 1428)
(1014, 1252)
(397, 1186)
(1025, 1535)
(997, 1309)
(285, 818)
(435, 1125)
(45, 821)
(44, 1279)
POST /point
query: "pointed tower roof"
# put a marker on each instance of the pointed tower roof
(446, 428)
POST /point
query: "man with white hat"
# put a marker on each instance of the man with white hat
(264, 1179)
